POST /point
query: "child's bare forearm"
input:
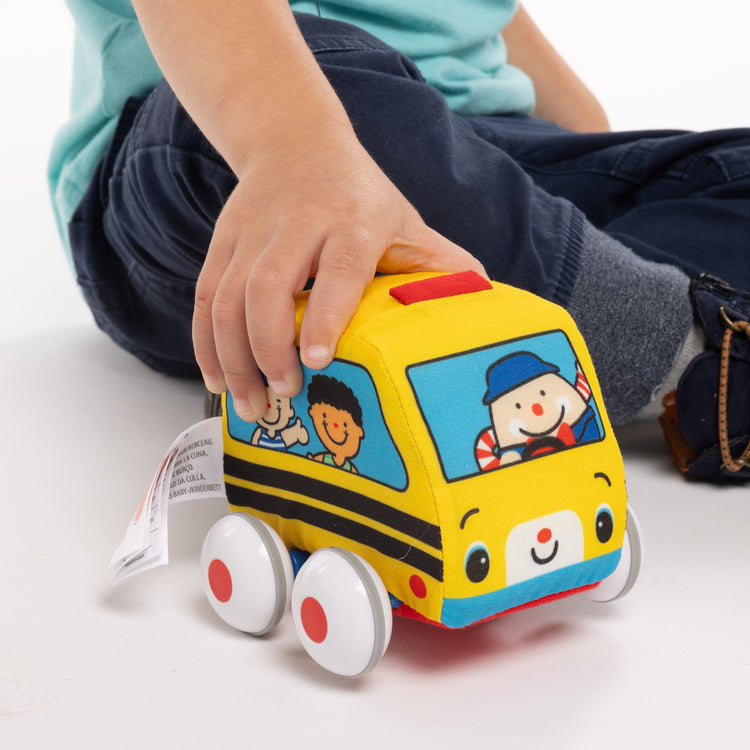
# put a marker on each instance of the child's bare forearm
(562, 97)
(241, 69)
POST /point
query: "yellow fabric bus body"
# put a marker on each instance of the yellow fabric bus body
(458, 443)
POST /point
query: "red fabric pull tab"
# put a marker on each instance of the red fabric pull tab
(450, 285)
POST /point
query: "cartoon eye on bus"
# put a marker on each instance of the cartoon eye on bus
(452, 464)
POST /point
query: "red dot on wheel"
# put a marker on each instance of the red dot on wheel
(313, 620)
(220, 580)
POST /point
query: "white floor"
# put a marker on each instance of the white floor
(147, 664)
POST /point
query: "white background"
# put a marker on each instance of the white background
(83, 426)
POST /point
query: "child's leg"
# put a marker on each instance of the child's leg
(681, 199)
(634, 314)
(672, 196)
(141, 233)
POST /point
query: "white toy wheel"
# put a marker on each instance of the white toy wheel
(342, 612)
(247, 573)
(623, 578)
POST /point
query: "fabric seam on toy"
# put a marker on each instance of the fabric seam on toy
(386, 370)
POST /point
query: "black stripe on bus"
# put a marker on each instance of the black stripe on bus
(294, 510)
(398, 520)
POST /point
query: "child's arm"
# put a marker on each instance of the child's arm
(561, 95)
(309, 201)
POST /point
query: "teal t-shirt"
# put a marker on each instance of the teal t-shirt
(111, 62)
(456, 44)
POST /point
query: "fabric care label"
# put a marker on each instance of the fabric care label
(192, 469)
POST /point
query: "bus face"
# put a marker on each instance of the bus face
(531, 471)
(476, 473)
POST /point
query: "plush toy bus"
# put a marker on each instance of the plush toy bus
(452, 464)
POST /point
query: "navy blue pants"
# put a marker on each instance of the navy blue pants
(514, 191)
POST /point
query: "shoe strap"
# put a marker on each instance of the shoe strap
(733, 327)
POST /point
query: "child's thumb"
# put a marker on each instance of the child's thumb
(431, 251)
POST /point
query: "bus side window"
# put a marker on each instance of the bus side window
(336, 420)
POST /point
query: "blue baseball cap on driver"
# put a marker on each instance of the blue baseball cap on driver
(512, 371)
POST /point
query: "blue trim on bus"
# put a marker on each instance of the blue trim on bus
(458, 613)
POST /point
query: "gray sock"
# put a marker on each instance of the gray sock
(634, 315)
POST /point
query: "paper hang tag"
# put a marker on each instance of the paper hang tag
(192, 469)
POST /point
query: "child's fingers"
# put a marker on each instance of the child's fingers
(234, 351)
(430, 251)
(204, 344)
(346, 266)
(269, 303)
(220, 337)
(450, 257)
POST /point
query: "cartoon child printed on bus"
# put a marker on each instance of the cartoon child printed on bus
(337, 418)
(534, 410)
(276, 428)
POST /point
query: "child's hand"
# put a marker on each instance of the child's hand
(309, 201)
(313, 204)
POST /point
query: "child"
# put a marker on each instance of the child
(282, 146)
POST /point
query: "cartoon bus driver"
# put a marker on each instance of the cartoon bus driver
(337, 418)
(534, 410)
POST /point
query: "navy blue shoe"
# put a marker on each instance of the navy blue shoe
(707, 421)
